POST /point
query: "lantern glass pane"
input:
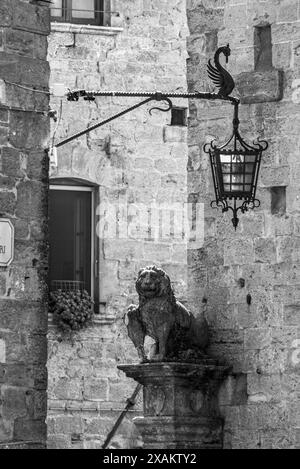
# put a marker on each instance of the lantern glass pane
(249, 168)
(226, 159)
(226, 168)
(236, 173)
(250, 158)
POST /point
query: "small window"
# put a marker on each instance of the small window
(278, 200)
(178, 116)
(263, 59)
(95, 12)
(72, 244)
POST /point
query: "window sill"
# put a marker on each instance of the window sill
(84, 29)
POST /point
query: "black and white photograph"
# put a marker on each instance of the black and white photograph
(149, 227)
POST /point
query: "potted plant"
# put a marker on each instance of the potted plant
(72, 310)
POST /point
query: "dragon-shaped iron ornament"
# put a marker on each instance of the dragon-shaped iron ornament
(235, 165)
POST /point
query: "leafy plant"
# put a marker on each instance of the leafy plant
(72, 310)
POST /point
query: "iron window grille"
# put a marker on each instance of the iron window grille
(91, 12)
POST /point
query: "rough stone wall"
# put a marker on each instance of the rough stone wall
(260, 402)
(138, 157)
(23, 199)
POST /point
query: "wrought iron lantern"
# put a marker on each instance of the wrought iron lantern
(235, 165)
(235, 169)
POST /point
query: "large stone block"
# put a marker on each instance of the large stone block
(120, 390)
(3, 134)
(265, 250)
(6, 431)
(280, 439)
(292, 315)
(287, 11)
(95, 389)
(260, 87)
(275, 176)
(98, 426)
(19, 42)
(23, 375)
(262, 388)
(31, 17)
(122, 249)
(157, 252)
(34, 71)
(174, 134)
(238, 252)
(204, 18)
(3, 115)
(58, 441)
(29, 429)
(7, 182)
(67, 424)
(21, 98)
(6, 9)
(288, 249)
(15, 402)
(28, 130)
(9, 67)
(38, 165)
(212, 254)
(11, 161)
(23, 315)
(31, 200)
(24, 349)
(64, 388)
(7, 203)
(257, 339)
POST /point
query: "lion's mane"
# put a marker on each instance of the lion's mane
(161, 281)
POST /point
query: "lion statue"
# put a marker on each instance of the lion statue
(178, 335)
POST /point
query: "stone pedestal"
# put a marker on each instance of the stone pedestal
(180, 404)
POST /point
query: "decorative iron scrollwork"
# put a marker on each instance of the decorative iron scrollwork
(235, 168)
(167, 100)
(235, 165)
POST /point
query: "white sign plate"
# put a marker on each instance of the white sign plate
(7, 242)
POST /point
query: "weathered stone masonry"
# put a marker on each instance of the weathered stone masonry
(23, 199)
(144, 158)
(138, 157)
(261, 340)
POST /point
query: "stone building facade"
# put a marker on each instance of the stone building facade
(246, 282)
(24, 129)
(260, 338)
(136, 160)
